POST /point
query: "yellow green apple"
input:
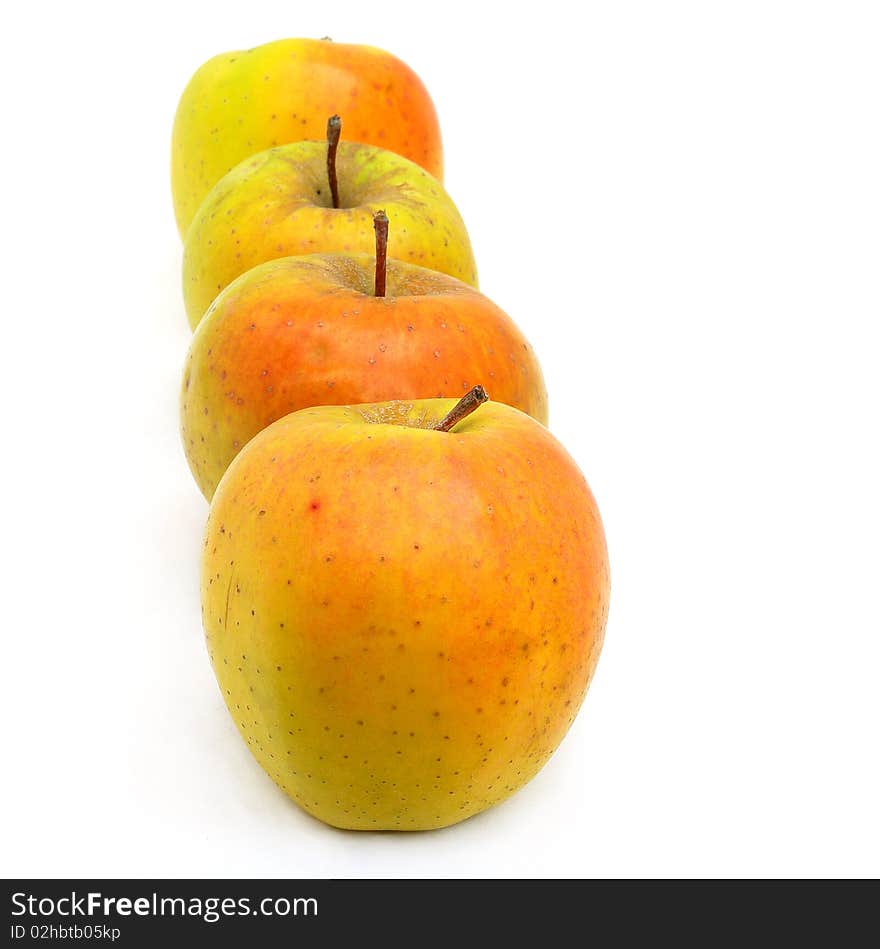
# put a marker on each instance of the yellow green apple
(313, 330)
(243, 102)
(404, 605)
(280, 203)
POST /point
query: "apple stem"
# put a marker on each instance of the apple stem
(334, 129)
(462, 409)
(380, 225)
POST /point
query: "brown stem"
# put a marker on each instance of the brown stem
(462, 409)
(334, 128)
(380, 225)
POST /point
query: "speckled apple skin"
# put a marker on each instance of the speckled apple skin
(242, 102)
(403, 623)
(277, 204)
(304, 331)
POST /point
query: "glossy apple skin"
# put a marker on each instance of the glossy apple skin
(277, 204)
(243, 102)
(305, 331)
(403, 623)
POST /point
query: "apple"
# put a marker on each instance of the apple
(243, 102)
(404, 605)
(319, 197)
(338, 329)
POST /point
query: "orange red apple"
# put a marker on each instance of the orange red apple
(310, 330)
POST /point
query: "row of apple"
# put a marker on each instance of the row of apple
(404, 585)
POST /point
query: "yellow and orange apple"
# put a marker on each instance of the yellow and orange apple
(243, 102)
(403, 620)
(280, 203)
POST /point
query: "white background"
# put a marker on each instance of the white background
(680, 205)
